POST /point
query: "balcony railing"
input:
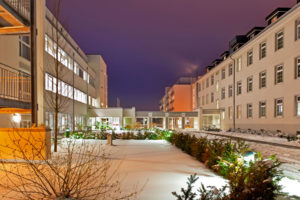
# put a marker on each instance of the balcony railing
(14, 85)
(22, 7)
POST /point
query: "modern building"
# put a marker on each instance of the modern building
(178, 97)
(81, 78)
(256, 82)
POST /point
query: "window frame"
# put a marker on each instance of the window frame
(261, 78)
(260, 109)
(277, 38)
(250, 89)
(249, 111)
(277, 72)
(261, 48)
(250, 57)
(239, 89)
(277, 113)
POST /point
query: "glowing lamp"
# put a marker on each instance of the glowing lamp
(16, 118)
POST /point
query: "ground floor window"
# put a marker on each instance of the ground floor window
(278, 107)
(262, 109)
(249, 111)
(230, 112)
(239, 111)
(297, 105)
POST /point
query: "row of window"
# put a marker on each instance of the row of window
(64, 89)
(66, 60)
(262, 109)
(279, 44)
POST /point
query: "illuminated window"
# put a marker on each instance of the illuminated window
(249, 57)
(239, 87)
(262, 79)
(217, 86)
(24, 47)
(297, 105)
(230, 112)
(262, 109)
(48, 82)
(262, 50)
(278, 74)
(239, 64)
(239, 111)
(278, 107)
(249, 111)
(279, 40)
(218, 103)
(249, 84)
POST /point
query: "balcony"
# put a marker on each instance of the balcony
(14, 16)
(15, 88)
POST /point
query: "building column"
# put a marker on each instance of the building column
(200, 119)
(121, 122)
(148, 122)
(183, 123)
(167, 123)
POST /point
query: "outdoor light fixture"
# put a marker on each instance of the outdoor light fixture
(16, 118)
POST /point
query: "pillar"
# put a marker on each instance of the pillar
(200, 119)
(183, 123)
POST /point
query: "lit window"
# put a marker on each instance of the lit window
(230, 70)
(278, 107)
(239, 87)
(48, 82)
(218, 103)
(279, 40)
(262, 109)
(278, 74)
(223, 93)
(250, 57)
(298, 29)
(298, 105)
(70, 92)
(217, 86)
(230, 91)
(239, 64)
(297, 68)
(212, 96)
(263, 50)
(249, 111)
(239, 111)
(230, 112)
(262, 79)
(24, 47)
(223, 74)
(249, 84)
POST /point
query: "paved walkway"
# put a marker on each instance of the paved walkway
(161, 166)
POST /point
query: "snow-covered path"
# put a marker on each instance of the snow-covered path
(163, 168)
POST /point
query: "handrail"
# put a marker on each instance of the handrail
(22, 7)
(14, 84)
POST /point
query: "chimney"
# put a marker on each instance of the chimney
(298, 1)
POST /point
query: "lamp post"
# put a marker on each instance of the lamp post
(33, 62)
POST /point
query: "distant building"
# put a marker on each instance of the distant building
(83, 79)
(256, 83)
(178, 97)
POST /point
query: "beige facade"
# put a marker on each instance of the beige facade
(257, 85)
(82, 79)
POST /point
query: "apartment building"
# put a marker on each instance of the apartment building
(178, 97)
(256, 83)
(82, 78)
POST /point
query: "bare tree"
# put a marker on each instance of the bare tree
(79, 171)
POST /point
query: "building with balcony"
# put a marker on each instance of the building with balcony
(178, 97)
(81, 79)
(256, 82)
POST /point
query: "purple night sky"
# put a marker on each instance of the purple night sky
(149, 44)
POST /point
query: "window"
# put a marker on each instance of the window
(297, 98)
(298, 29)
(203, 100)
(262, 79)
(262, 50)
(223, 93)
(207, 83)
(24, 47)
(218, 103)
(297, 70)
(217, 86)
(249, 57)
(249, 111)
(223, 74)
(239, 87)
(230, 91)
(230, 112)
(278, 107)
(207, 98)
(279, 40)
(203, 85)
(239, 64)
(239, 111)
(212, 97)
(48, 82)
(249, 84)
(278, 74)
(212, 79)
(230, 70)
(262, 109)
